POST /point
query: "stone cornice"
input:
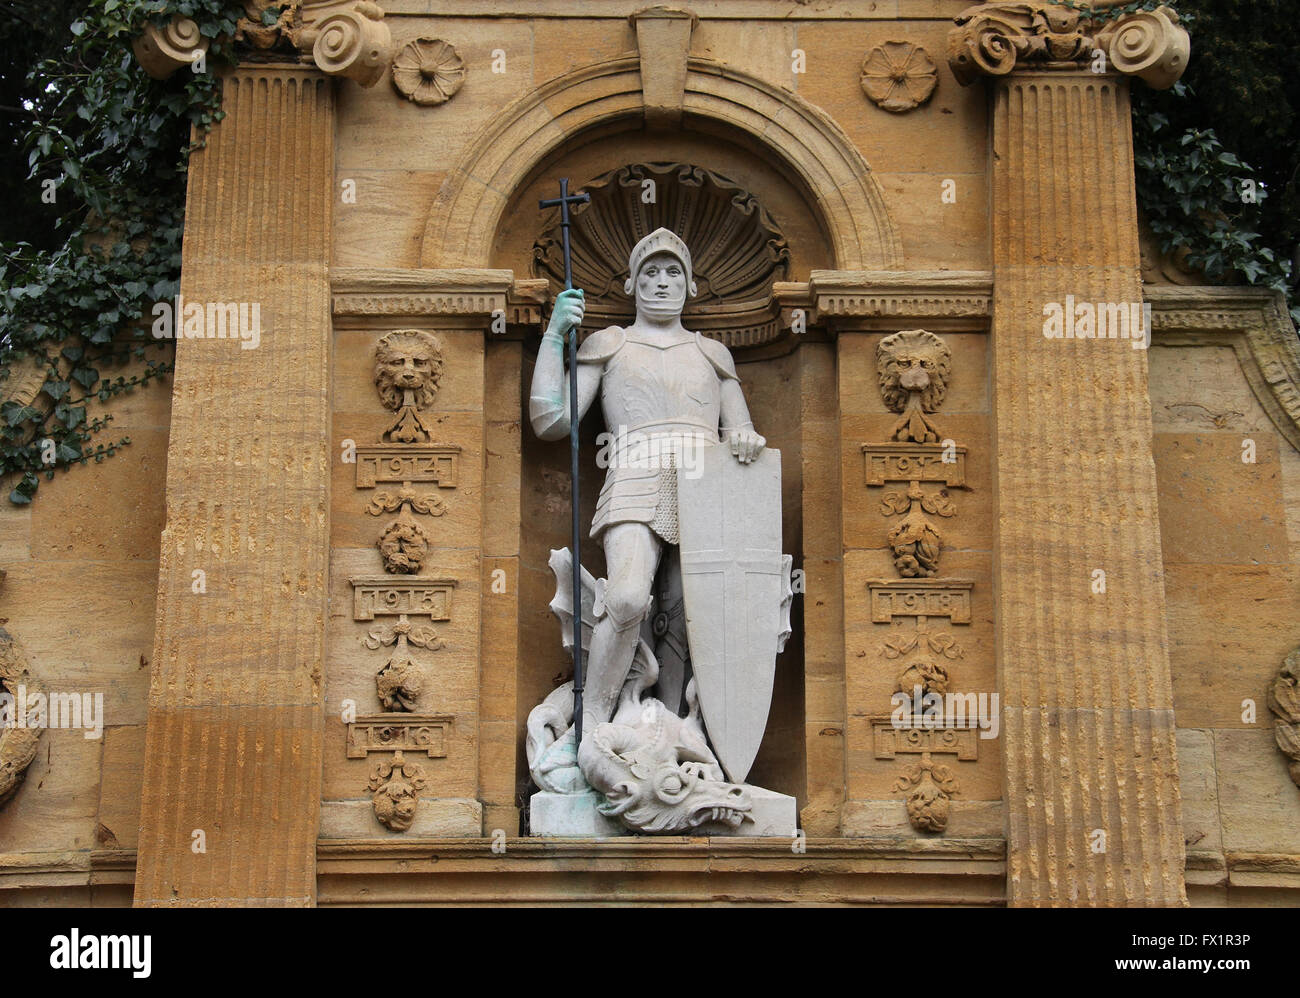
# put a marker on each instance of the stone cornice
(994, 39)
(1252, 321)
(940, 299)
(373, 297)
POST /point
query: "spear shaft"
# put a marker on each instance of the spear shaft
(563, 202)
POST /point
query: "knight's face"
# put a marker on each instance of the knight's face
(661, 285)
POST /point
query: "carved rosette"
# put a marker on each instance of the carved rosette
(162, 51)
(995, 38)
(1284, 702)
(899, 76)
(428, 71)
(403, 545)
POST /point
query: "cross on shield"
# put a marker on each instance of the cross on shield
(735, 584)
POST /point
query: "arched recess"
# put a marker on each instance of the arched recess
(466, 213)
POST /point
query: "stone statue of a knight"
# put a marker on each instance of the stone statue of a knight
(682, 637)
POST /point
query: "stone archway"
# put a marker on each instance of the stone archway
(805, 141)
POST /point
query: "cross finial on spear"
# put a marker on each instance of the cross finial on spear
(563, 201)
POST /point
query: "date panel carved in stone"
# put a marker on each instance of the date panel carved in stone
(890, 740)
(911, 462)
(405, 732)
(921, 598)
(393, 463)
(391, 597)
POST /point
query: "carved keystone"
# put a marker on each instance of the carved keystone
(663, 37)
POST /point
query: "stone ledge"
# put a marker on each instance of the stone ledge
(1243, 869)
(663, 871)
(669, 848)
(829, 871)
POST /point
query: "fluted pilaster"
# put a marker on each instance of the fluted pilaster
(233, 753)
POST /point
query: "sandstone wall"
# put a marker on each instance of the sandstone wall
(82, 562)
(81, 572)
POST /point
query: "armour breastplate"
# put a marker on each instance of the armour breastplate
(653, 387)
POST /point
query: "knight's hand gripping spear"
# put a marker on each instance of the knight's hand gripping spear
(549, 406)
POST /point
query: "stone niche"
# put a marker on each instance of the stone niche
(750, 226)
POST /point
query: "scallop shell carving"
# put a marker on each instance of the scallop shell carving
(737, 249)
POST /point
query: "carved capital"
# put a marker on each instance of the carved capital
(354, 43)
(995, 38)
(162, 51)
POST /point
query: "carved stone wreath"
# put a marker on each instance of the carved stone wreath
(1284, 701)
(737, 250)
(899, 76)
(17, 745)
(428, 71)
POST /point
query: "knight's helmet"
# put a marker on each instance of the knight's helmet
(660, 241)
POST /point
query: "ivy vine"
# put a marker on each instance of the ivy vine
(107, 147)
(1104, 14)
(1204, 203)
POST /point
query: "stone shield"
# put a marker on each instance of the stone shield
(734, 583)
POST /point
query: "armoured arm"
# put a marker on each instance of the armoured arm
(735, 411)
(737, 430)
(548, 402)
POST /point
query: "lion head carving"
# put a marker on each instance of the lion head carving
(913, 362)
(408, 360)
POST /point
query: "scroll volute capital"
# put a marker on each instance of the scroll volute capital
(993, 39)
